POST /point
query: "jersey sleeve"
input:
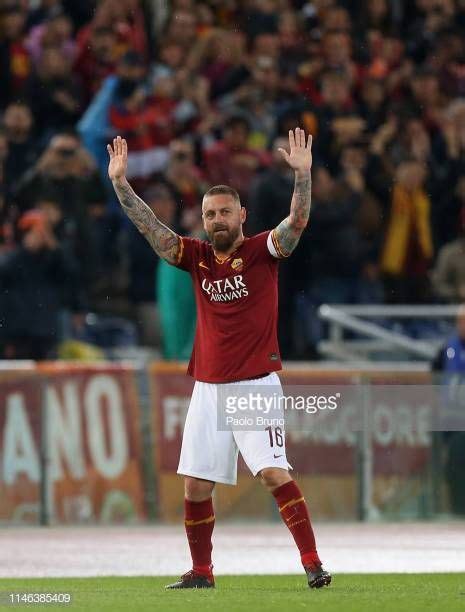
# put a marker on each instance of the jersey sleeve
(188, 255)
(264, 245)
(274, 247)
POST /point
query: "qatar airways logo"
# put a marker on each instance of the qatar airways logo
(225, 290)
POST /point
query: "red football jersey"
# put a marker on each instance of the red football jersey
(237, 309)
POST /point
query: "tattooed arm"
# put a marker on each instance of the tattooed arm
(164, 241)
(287, 234)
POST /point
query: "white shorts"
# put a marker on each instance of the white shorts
(211, 454)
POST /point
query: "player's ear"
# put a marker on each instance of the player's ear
(243, 214)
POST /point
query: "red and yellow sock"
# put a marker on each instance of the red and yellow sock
(199, 522)
(294, 512)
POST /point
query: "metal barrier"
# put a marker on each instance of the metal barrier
(346, 317)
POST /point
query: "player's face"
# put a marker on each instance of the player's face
(223, 217)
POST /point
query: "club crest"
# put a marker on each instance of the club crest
(237, 264)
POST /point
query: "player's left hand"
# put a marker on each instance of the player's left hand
(300, 156)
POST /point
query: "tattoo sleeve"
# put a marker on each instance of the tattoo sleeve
(287, 233)
(164, 241)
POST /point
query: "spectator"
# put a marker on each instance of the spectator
(148, 123)
(55, 94)
(125, 18)
(170, 61)
(447, 210)
(143, 265)
(450, 360)
(181, 28)
(408, 247)
(61, 225)
(38, 280)
(338, 119)
(386, 60)
(116, 27)
(55, 31)
(453, 126)
(373, 103)
(66, 173)
(401, 139)
(66, 169)
(338, 255)
(23, 149)
(96, 59)
(435, 17)
(426, 96)
(448, 276)
(336, 51)
(220, 57)
(176, 304)
(335, 240)
(15, 63)
(336, 18)
(184, 177)
(291, 39)
(447, 56)
(377, 83)
(94, 126)
(259, 99)
(231, 161)
(376, 17)
(369, 220)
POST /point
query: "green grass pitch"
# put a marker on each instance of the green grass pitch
(348, 593)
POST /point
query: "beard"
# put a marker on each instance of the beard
(223, 240)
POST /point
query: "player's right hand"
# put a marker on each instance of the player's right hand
(118, 159)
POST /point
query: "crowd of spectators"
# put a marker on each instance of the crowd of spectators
(205, 92)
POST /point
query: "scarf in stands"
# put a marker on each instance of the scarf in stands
(409, 210)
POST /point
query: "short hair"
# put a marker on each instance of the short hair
(223, 190)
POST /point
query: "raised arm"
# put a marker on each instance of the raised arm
(287, 233)
(163, 240)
